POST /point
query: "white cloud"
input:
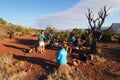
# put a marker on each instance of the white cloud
(76, 14)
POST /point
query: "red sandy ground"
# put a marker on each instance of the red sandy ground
(37, 63)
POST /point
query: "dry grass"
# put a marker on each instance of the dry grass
(115, 74)
(73, 74)
(98, 58)
(10, 71)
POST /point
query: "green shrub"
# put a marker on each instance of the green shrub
(62, 35)
(84, 36)
(19, 29)
(25, 32)
(77, 32)
(107, 36)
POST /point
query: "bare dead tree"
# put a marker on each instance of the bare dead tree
(96, 25)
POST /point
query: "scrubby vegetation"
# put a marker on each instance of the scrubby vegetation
(10, 70)
(9, 30)
(108, 35)
(73, 74)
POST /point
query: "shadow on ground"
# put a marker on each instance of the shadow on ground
(28, 42)
(16, 47)
(112, 54)
(45, 64)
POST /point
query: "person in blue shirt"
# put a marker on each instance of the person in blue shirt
(41, 38)
(62, 55)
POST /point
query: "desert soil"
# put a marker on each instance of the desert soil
(36, 63)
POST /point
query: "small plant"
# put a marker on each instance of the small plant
(5, 60)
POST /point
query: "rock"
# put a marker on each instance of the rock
(99, 50)
(78, 61)
(75, 63)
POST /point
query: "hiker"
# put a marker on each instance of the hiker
(41, 38)
(51, 38)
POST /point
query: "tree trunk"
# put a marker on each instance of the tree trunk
(93, 46)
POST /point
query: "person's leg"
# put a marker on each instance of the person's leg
(40, 48)
(43, 47)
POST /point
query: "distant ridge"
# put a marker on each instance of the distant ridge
(116, 27)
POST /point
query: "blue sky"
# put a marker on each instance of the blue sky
(61, 14)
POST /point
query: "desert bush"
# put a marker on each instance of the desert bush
(117, 37)
(77, 32)
(9, 70)
(7, 30)
(83, 36)
(62, 35)
(5, 60)
(19, 29)
(2, 21)
(107, 36)
(25, 32)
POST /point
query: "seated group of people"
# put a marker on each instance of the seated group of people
(63, 50)
(82, 48)
(76, 45)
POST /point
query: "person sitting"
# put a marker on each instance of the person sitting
(78, 44)
(61, 55)
(73, 39)
(56, 44)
